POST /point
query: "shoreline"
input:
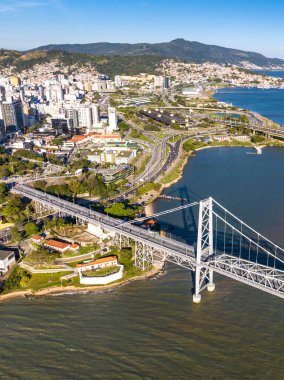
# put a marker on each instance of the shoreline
(149, 208)
(71, 289)
(270, 121)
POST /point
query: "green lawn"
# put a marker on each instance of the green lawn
(102, 272)
(147, 139)
(41, 258)
(41, 281)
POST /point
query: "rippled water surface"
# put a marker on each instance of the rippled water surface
(151, 329)
(267, 102)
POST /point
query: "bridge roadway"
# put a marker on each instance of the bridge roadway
(171, 250)
(262, 277)
(268, 279)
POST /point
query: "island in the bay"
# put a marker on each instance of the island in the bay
(107, 133)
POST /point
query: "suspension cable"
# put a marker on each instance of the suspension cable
(249, 239)
(162, 213)
(246, 225)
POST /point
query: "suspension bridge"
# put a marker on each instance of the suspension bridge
(223, 243)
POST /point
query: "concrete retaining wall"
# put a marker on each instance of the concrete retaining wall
(102, 280)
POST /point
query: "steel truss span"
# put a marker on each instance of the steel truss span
(224, 244)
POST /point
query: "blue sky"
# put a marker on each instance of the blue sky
(255, 25)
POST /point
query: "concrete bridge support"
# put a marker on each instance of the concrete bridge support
(210, 285)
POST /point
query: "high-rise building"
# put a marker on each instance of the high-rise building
(72, 119)
(41, 91)
(112, 119)
(118, 81)
(96, 115)
(85, 117)
(158, 81)
(59, 93)
(2, 93)
(22, 94)
(162, 81)
(2, 130)
(166, 82)
(13, 116)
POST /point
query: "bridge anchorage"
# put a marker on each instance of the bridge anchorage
(224, 243)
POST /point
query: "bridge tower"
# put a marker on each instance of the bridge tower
(203, 275)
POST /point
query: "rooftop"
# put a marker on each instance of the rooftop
(5, 253)
(98, 261)
(57, 244)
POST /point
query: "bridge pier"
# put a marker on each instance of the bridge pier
(143, 255)
(197, 296)
(211, 285)
(121, 241)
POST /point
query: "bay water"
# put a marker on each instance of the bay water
(151, 329)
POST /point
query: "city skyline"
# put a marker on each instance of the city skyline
(60, 21)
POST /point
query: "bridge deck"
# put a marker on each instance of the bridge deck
(259, 276)
(183, 252)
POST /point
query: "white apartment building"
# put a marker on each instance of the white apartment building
(7, 261)
(112, 119)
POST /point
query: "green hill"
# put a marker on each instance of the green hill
(109, 65)
(179, 48)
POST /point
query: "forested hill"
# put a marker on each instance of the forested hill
(109, 65)
(181, 49)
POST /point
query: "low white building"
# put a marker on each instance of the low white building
(7, 261)
(222, 138)
(97, 265)
(60, 246)
(112, 157)
(241, 138)
(190, 91)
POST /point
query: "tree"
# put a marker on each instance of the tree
(244, 119)
(17, 279)
(123, 127)
(256, 139)
(3, 192)
(13, 211)
(31, 229)
(40, 184)
(75, 186)
(25, 278)
(4, 172)
(15, 234)
(120, 210)
(57, 141)
(95, 186)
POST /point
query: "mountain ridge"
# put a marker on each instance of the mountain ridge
(191, 51)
